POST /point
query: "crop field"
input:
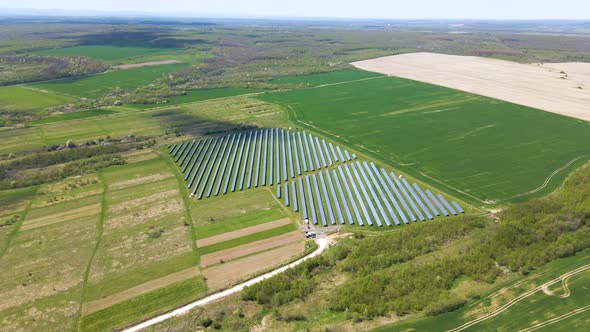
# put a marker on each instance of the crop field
(514, 151)
(327, 78)
(73, 116)
(560, 306)
(20, 98)
(106, 53)
(98, 85)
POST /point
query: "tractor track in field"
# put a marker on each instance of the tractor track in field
(523, 296)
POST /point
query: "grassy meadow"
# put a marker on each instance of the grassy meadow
(105, 52)
(326, 78)
(18, 98)
(478, 148)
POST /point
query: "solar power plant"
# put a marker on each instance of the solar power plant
(328, 185)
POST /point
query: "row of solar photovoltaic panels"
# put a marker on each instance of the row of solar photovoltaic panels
(360, 193)
(252, 159)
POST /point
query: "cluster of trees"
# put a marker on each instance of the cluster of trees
(29, 68)
(385, 278)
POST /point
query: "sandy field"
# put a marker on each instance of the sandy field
(224, 275)
(251, 248)
(562, 88)
(146, 64)
(136, 291)
(242, 232)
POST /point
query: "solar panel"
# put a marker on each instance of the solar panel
(398, 195)
(311, 204)
(363, 186)
(206, 155)
(358, 196)
(287, 203)
(278, 159)
(294, 198)
(447, 205)
(252, 157)
(440, 207)
(327, 152)
(338, 189)
(173, 148)
(340, 155)
(246, 156)
(184, 151)
(381, 194)
(425, 199)
(290, 154)
(457, 207)
(335, 156)
(319, 199)
(297, 165)
(208, 165)
(216, 172)
(303, 202)
(230, 153)
(347, 155)
(245, 142)
(231, 164)
(320, 151)
(278, 191)
(416, 198)
(389, 195)
(314, 153)
(285, 174)
(303, 160)
(259, 154)
(327, 198)
(176, 151)
(407, 196)
(350, 198)
(188, 153)
(354, 156)
(264, 158)
(308, 149)
(271, 159)
(196, 150)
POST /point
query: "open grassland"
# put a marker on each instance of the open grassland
(145, 305)
(73, 116)
(105, 52)
(98, 85)
(200, 95)
(326, 78)
(19, 98)
(478, 148)
(532, 309)
(196, 118)
(43, 268)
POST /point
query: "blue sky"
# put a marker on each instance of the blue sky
(486, 9)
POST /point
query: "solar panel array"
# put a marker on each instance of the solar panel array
(312, 176)
(241, 161)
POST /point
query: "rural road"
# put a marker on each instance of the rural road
(322, 243)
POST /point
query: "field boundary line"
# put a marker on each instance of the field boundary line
(186, 203)
(18, 225)
(519, 298)
(100, 229)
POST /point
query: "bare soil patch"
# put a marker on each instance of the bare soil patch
(138, 290)
(224, 275)
(146, 64)
(250, 248)
(562, 88)
(242, 232)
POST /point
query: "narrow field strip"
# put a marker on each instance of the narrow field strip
(247, 239)
(250, 248)
(84, 211)
(242, 232)
(97, 305)
(556, 319)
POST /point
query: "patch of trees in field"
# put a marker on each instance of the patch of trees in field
(384, 276)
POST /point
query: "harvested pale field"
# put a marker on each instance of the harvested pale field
(138, 290)
(146, 64)
(242, 232)
(140, 181)
(73, 214)
(562, 88)
(223, 275)
(250, 248)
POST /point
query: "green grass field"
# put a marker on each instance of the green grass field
(106, 53)
(200, 95)
(73, 116)
(247, 239)
(477, 148)
(534, 309)
(326, 78)
(145, 305)
(19, 98)
(98, 85)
